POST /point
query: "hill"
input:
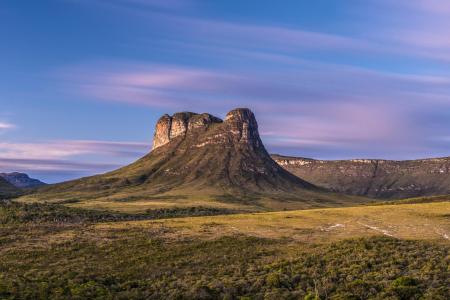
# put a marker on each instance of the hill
(7, 189)
(198, 159)
(21, 180)
(374, 177)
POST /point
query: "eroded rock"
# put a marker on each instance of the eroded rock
(171, 127)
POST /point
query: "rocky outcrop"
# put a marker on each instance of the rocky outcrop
(239, 128)
(242, 124)
(178, 125)
(21, 180)
(374, 177)
(204, 150)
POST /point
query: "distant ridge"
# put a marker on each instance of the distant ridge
(375, 178)
(21, 180)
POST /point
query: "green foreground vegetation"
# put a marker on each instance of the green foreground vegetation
(82, 257)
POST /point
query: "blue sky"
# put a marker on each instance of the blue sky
(82, 82)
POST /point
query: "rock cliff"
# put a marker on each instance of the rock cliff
(374, 177)
(178, 125)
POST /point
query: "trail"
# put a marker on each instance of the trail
(443, 234)
(332, 227)
(383, 231)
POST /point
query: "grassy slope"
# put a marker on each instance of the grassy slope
(138, 203)
(282, 255)
(138, 200)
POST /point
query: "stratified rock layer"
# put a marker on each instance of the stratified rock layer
(374, 177)
(171, 127)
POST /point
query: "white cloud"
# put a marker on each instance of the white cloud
(6, 125)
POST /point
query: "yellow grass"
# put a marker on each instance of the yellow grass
(405, 221)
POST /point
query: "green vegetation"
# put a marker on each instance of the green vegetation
(142, 267)
(44, 257)
(14, 212)
(415, 200)
(7, 190)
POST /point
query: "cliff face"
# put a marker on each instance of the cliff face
(372, 177)
(178, 125)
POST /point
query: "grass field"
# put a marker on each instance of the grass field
(404, 221)
(368, 252)
(139, 200)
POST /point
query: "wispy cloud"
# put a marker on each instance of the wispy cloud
(326, 105)
(54, 165)
(180, 86)
(68, 159)
(6, 125)
(421, 29)
(69, 148)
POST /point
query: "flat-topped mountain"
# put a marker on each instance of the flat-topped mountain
(21, 180)
(374, 177)
(228, 153)
(200, 156)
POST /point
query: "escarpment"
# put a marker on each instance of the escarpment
(375, 178)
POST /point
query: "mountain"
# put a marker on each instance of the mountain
(199, 159)
(374, 177)
(7, 189)
(21, 180)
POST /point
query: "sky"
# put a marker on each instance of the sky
(83, 82)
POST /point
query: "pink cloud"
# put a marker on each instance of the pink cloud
(316, 105)
(68, 148)
(176, 86)
(344, 124)
(53, 165)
